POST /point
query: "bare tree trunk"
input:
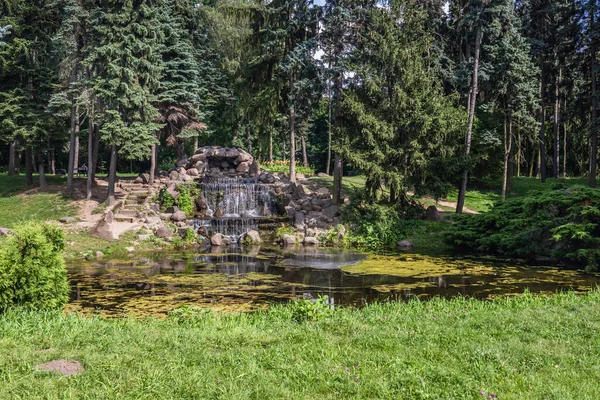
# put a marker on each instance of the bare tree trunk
(96, 149)
(518, 151)
(292, 146)
(328, 165)
(112, 175)
(90, 152)
(556, 128)
(283, 146)
(564, 169)
(304, 155)
(463, 186)
(533, 163)
(51, 162)
(195, 144)
(511, 156)
(508, 157)
(74, 133)
(11, 158)
(594, 122)
(152, 165)
(542, 157)
(29, 165)
(271, 144)
(76, 151)
(338, 172)
(248, 137)
(41, 170)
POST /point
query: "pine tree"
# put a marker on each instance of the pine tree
(127, 59)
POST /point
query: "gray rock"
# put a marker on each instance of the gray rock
(200, 167)
(225, 165)
(165, 216)
(311, 241)
(299, 220)
(182, 163)
(331, 211)
(143, 178)
(186, 178)
(152, 220)
(290, 211)
(326, 203)
(174, 176)
(178, 216)
(193, 172)
(323, 175)
(432, 214)
(172, 209)
(307, 206)
(67, 220)
(243, 168)
(405, 245)
(243, 157)
(163, 232)
(216, 239)
(143, 237)
(323, 192)
(299, 192)
(288, 240)
(252, 237)
(99, 255)
(5, 232)
(254, 169)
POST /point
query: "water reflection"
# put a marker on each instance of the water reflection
(252, 278)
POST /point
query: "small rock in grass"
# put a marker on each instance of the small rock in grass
(405, 245)
(64, 367)
(67, 220)
(5, 232)
(99, 255)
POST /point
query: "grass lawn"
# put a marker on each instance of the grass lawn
(524, 347)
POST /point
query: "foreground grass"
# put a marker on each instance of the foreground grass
(519, 348)
(34, 207)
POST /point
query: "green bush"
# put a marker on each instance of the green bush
(377, 226)
(187, 194)
(32, 268)
(164, 198)
(560, 223)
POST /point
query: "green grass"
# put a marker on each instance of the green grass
(519, 348)
(33, 207)
(351, 185)
(11, 185)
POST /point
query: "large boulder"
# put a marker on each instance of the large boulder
(182, 163)
(174, 175)
(331, 211)
(299, 220)
(143, 178)
(178, 216)
(252, 237)
(254, 169)
(217, 239)
(193, 172)
(288, 240)
(311, 241)
(432, 214)
(243, 168)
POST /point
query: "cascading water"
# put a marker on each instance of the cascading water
(233, 206)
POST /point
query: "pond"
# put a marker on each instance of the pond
(241, 279)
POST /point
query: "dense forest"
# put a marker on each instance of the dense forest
(419, 96)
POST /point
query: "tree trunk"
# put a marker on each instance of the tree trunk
(292, 146)
(519, 150)
(90, 152)
(594, 124)
(508, 154)
(12, 157)
(533, 162)
(271, 144)
(556, 129)
(463, 186)
(564, 169)
(41, 170)
(511, 156)
(152, 164)
(283, 146)
(328, 165)
(96, 149)
(29, 165)
(338, 172)
(74, 133)
(304, 155)
(542, 157)
(18, 161)
(195, 144)
(52, 161)
(112, 175)
(76, 151)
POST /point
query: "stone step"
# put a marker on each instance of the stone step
(127, 213)
(123, 218)
(132, 201)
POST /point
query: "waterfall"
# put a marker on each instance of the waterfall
(234, 206)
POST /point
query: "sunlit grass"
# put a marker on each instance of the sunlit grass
(526, 347)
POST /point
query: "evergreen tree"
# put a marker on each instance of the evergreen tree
(127, 59)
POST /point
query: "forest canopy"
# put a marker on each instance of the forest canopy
(419, 96)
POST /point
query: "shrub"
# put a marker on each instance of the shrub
(187, 194)
(164, 198)
(284, 166)
(559, 223)
(32, 268)
(309, 309)
(376, 226)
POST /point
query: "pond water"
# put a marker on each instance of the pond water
(250, 279)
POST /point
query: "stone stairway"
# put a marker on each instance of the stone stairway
(135, 201)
